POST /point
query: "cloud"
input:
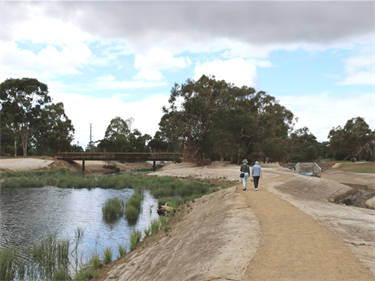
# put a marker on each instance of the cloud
(237, 71)
(110, 82)
(49, 59)
(145, 74)
(321, 112)
(257, 27)
(99, 112)
(359, 70)
(158, 59)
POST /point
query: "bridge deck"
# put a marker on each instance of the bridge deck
(111, 156)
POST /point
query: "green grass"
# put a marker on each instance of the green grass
(370, 170)
(155, 226)
(107, 255)
(113, 208)
(121, 250)
(133, 206)
(134, 238)
(349, 162)
(95, 259)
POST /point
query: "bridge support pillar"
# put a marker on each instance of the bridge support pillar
(154, 166)
(83, 166)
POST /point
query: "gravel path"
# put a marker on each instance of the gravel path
(295, 246)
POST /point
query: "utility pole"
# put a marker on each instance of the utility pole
(90, 137)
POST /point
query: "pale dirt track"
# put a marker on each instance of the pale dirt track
(295, 246)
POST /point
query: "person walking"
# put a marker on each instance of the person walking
(246, 170)
(257, 173)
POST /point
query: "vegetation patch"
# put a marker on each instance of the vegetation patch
(113, 208)
(370, 170)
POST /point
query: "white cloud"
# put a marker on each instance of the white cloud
(110, 82)
(49, 59)
(237, 71)
(158, 59)
(359, 69)
(145, 74)
(99, 111)
(321, 112)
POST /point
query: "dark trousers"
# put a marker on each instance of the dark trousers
(256, 181)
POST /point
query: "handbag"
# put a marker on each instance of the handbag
(242, 175)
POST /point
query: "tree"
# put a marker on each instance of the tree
(219, 120)
(22, 100)
(57, 130)
(351, 140)
(117, 127)
(311, 153)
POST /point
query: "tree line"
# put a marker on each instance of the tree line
(207, 120)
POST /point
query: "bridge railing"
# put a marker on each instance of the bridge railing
(135, 156)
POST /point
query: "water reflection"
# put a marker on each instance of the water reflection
(28, 214)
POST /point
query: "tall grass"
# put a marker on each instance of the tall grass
(134, 238)
(113, 208)
(47, 260)
(133, 206)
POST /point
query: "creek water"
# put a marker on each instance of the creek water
(29, 214)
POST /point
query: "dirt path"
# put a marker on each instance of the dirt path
(295, 246)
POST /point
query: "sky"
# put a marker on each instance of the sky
(105, 59)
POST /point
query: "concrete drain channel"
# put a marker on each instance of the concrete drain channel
(356, 197)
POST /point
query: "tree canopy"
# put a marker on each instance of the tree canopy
(27, 112)
(352, 140)
(212, 119)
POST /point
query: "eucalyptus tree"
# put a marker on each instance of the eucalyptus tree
(215, 119)
(351, 140)
(22, 100)
(57, 131)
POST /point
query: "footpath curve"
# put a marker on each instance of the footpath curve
(294, 246)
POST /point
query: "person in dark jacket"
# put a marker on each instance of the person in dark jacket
(246, 170)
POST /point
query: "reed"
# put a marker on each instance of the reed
(8, 263)
(133, 206)
(107, 255)
(134, 238)
(113, 208)
(155, 226)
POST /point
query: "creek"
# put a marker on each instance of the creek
(29, 214)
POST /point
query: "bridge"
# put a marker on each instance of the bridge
(119, 156)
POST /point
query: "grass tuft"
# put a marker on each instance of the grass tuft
(113, 208)
(134, 238)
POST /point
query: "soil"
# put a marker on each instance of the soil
(288, 230)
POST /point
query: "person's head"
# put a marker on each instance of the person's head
(256, 163)
(244, 161)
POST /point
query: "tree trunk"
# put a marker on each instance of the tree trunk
(24, 136)
(15, 146)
